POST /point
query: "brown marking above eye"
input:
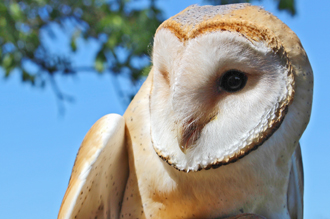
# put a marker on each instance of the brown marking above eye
(165, 76)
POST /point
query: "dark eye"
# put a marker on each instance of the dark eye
(233, 80)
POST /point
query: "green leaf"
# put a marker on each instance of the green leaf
(99, 65)
(8, 64)
(3, 22)
(26, 77)
(74, 38)
(113, 41)
(15, 11)
(288, 5)
(7, 72)
(73, 44)
(146, 70)
(7, 61)
(99, 61)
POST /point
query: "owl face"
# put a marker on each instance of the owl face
(220, 90)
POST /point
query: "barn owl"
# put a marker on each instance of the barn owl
(214, 130)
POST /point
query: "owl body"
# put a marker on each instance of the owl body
(213, 132)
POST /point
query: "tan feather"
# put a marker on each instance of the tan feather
(99, 173)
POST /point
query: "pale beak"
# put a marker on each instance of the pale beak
(188, 134)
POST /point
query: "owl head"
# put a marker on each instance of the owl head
(225, 79)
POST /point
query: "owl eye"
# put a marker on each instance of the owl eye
(233, 80)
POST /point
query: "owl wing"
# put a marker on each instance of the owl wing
(99, 174)
(296, 185)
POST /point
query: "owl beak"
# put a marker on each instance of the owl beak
(190, 132)
(188, 135)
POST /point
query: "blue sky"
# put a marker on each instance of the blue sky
(39, 145)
